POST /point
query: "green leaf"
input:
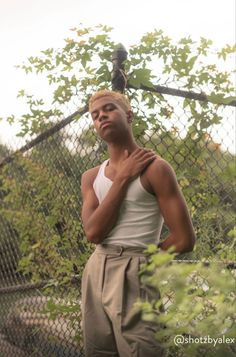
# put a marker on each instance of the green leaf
(141, 77)
(186, 102)
(152, 248)
(191, 62)
(85, 58)
(220, 99)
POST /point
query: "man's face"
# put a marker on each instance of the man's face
(110, 119)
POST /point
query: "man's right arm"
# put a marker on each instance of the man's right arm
(99, 219)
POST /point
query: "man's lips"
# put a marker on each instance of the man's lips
(105, 124)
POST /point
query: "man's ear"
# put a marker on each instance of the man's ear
(130, 116)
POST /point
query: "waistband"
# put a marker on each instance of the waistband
(120, 250)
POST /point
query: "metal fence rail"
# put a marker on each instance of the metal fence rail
(42, 245)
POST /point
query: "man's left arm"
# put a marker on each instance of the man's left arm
(173, 207)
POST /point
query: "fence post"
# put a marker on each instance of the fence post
(119, 80)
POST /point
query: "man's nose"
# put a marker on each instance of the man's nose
(102, 116)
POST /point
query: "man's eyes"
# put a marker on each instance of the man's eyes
(109, 107)
(106, 108)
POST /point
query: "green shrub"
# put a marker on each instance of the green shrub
(199, 301)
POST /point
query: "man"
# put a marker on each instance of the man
(125, 201)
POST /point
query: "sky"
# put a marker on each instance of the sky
(29, 26)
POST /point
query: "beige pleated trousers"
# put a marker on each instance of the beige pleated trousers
(110, 287)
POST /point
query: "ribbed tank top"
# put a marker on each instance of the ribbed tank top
(140, 221)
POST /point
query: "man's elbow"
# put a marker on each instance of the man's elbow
(92, 237)
(189, 244)
(93, 240)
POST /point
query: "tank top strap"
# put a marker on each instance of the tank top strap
(101, 184)
(101, 170)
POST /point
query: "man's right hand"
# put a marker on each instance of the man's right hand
(99, 219)
(134, 164)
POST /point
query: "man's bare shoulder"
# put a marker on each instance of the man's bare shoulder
(161, 171)
(90, 174)
(160, 165)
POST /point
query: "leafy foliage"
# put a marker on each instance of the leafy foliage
(199, 301)
(41, 197)
(48, 224)
(84, 65)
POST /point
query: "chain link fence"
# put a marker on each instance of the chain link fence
(42, 244)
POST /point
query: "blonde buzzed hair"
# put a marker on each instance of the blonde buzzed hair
(120, 98)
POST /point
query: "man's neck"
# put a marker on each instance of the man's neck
(117, 151)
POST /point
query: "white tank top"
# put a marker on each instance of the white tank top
(140, 221)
